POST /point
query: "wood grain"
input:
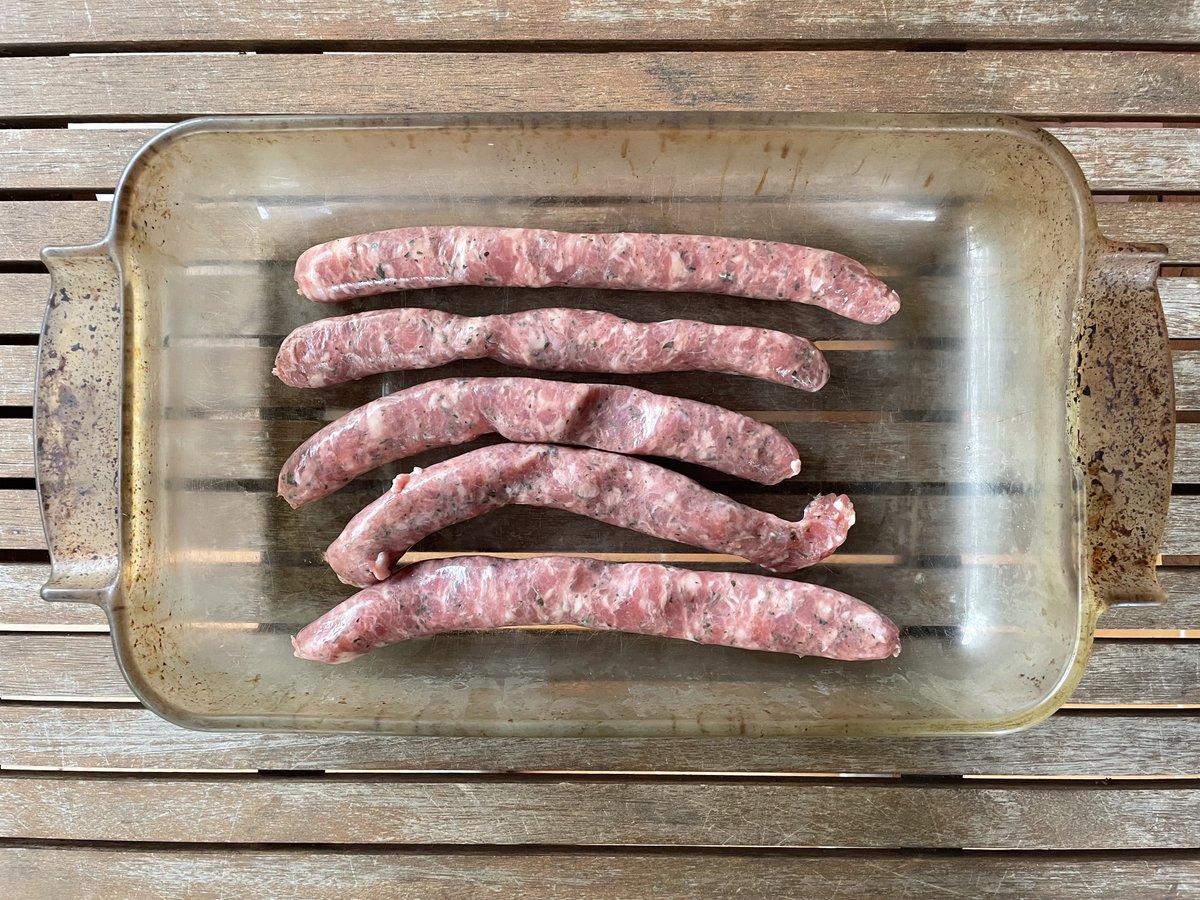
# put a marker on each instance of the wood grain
(23, 303)
(381, 810)
(1175, 224)
(1130, 160)
(111, 23)
(1046, 84)
(1181, 611)
(26, 226)
(1187, 379)
(1181, 304)
(61, 159)
(16, 448)
(1135, 160)
(17, 364)
(22, 608)
(1183, 527)
(48, 873)
(82, 667)
(21, 523)
(60, 666)
(131, 737)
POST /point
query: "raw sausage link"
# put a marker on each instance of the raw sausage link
(747, 611)
(346, 348)
(409, 258)
(609, 487)
(531, 410)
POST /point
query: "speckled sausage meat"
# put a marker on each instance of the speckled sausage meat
(608, 487)
(747, 611)
(409, 258)
(346, 348)
(531, 410)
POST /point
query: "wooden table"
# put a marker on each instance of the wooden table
(96, 791)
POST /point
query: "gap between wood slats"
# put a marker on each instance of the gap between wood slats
(135, 873)
(129, 737)
(1049, 84)
(598, 812)
(31, 25)
(1128, 160)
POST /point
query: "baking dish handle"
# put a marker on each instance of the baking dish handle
(1125, 399)
(77, 423)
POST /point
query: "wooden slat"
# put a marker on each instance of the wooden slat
(27, 226)
(594, 813)
(1181, 304)
(1175, 224)
(1130, 160)
(177, 22)
(1187, 453)
(17, 364)
(62, 159)
(54, 872)
(1187, 379)
(60, 666)
(1040, 84)
(82, 667)
(21, 522)
(16, 448)
(22, 608)
(1135, 160)
(22, 303)
(1150, 673)
(1182, 537)
(1181, 611)
(131, 737)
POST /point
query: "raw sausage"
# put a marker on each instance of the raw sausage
(532, 410)
(409, 258)
(748, 611)
(619, 490)
(346, 348)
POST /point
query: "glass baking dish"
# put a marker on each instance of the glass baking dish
(1006, 438)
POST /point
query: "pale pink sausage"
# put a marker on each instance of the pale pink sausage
(619, 490)
(747, 611)
(532, 410)
(438, 256)
(346, 348)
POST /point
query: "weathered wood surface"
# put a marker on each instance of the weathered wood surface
(17, 365)
(16, 448)
(48, 873)
(1085, 744)
(177, 23)
(602, 812)
(1139, 160)
(1158, 673)
(1045, 84)
(22, 608)
(1181, 304)
(100, 727)
(21, 523)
